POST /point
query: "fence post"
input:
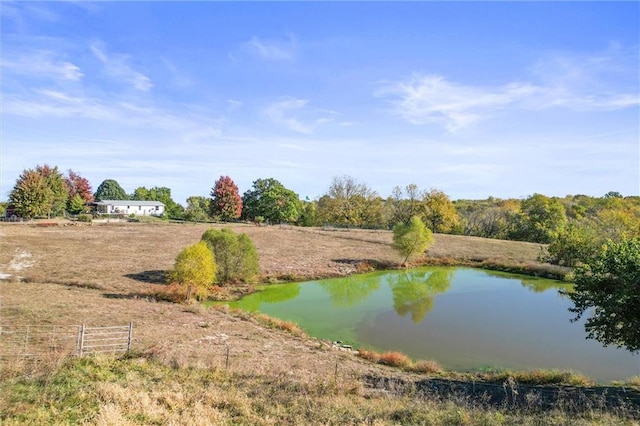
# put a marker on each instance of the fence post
(80, 339)
(130, 337)
(26, 340)
(227, 361)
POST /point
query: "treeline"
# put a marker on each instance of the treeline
(575, 226)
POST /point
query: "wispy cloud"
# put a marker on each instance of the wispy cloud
(606, 81)
(272, 50)
(295, 115)
(433, 99)
(42, 64)
(118, 66)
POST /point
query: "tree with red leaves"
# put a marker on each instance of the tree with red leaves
(226, 202)
(80, 186)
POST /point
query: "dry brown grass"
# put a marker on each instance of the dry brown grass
(114, 274)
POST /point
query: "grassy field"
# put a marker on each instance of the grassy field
(214, 366)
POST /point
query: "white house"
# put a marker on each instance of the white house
(129, 207)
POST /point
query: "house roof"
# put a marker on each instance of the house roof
(128, 203)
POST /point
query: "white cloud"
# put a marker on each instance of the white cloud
(599, 82)
(294, 114)
(117, 66)
(272, 50)
(43, 64)
(431, 98)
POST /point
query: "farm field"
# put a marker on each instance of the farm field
(103, 274)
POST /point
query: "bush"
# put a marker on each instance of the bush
(85, 218)
(395, 359)
(194, 271)
(236, 255)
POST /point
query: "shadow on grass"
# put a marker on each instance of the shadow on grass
(151, 277)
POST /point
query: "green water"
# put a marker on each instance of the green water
(463, 318)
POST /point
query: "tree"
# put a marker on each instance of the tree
(608, 287)
(197, 209)
(411, 239)
(226, 202)
(576, 243)
(307, 214)
(77, 185)
(110, 190)
(269, 199)
(351, 203)
(195, 270)
(31, 197)
(159, 193)
(236, 255)
(56, 184)
(403, 208)
(440, 213)
(76, 205)
(540, 220)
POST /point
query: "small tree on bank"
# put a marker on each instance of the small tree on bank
(411, 239)
(195, 271)
(608, 287)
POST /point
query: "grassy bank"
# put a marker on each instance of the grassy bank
(141, 390)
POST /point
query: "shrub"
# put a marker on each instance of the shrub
(194, 270)
(395, 359)
(85, 218)
(427, 367)
(236, 255)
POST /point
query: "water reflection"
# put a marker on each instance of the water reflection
(414, 291)
(272, 294)
(346, 292)
(537, 285)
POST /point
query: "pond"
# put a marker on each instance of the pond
(464, 318)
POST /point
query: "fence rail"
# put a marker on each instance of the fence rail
(31, 340)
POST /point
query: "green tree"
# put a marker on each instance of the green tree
(195, 270)
(608, 288)
(197, 209)
(269, 199)
(31, 196)
(226, 202)
(307, 214)
(236, 255)
(56, 183)
(162, 194)
(574, 244)
(440, 213)
(76, 205)
(540, 220)
(412, 239)
(110, 189)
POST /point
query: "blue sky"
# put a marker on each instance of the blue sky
(477, 99)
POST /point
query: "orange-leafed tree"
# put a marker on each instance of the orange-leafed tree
(226, 202)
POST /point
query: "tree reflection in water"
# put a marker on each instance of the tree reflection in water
(346, 292)
(414, 291)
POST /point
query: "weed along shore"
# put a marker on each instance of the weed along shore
(195, 365)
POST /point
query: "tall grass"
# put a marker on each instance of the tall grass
(141, 391)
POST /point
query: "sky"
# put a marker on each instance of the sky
(476, 99)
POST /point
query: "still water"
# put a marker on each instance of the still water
(466, 319)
